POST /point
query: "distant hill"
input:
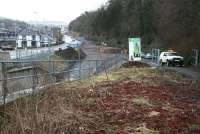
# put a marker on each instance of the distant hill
(11, 25)
(1, 18)
(48, 23)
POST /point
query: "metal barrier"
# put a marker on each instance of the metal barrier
(195, 57)
(19, 78)
(155, 55)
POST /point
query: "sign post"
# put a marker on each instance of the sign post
(135, 49)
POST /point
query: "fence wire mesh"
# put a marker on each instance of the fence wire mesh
(19, 78)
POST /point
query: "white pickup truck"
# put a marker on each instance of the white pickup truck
(171, 58)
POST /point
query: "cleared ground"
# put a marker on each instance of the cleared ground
(134, 99)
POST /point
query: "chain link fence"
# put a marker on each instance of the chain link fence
(19, 78)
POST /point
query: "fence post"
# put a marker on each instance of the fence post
(96, 67)
(152, 53)
(68, 69)
(158, 57)
(121, 58)
(101, 65)
(68, 75)
(53, 71)
(34, 78)
(79, 69)
(79, 58)
(4, 84)
(196, 58)
(155, 55)
(53, 67)
(89, 68)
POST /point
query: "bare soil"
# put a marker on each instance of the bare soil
(135, 64)
(109, 50)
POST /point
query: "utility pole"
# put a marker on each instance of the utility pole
(38, 42)
(49, 57)
(79, 58)
(16, 51)
(58, 36)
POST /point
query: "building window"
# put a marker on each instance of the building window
(24, 44)
(33, 43)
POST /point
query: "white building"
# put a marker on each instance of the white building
(19, 41)
(32, 41)
(29, 40)
(45, 40)
(37, 39)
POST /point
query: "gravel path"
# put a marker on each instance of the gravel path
(190, 72)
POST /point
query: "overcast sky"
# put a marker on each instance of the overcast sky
(47, 10)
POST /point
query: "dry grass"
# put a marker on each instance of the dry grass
(140, 129)
(56, 110)
(141, 101)
(59, 66)
(147, 75)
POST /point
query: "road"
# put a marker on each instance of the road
(186, 71)
(91, 51)
(190, 72)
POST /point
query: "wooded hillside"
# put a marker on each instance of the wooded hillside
(160, 23)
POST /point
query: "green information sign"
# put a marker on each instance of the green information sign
(134, 49)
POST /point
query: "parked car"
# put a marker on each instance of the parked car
(171, 58)
(7, 48)
(148, 56)
(142, 55)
